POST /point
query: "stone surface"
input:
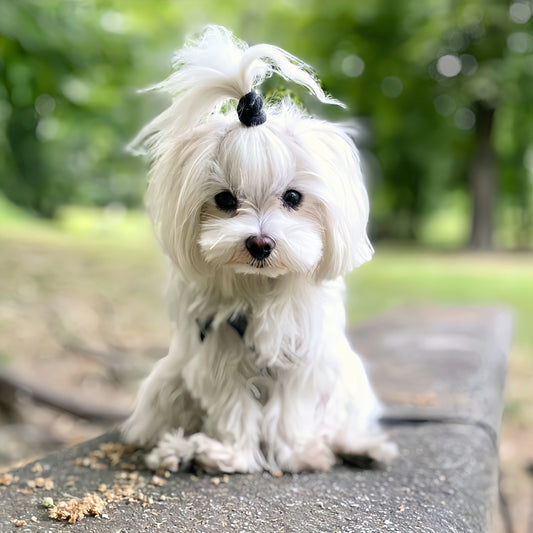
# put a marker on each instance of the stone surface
(443, 366)
(432, 361)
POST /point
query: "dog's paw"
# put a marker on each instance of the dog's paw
(314, 455)
(374, 445)
(215, 456)
(172, 452)
(383, 451)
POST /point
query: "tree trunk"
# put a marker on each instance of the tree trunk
(482, 177)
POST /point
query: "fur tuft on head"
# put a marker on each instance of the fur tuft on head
(212, 70)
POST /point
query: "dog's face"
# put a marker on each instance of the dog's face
(284, 197)
(262, 215)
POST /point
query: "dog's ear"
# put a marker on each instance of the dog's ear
(344, 202)
(178, 189)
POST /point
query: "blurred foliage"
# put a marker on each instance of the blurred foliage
(428, 82)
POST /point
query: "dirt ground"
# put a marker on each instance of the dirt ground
(86, 324)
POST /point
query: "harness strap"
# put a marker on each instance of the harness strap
(237, 321)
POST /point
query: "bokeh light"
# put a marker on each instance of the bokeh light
(449, 65)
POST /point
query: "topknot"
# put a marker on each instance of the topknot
(250, 110)
(212, 70)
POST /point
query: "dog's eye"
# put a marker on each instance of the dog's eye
(292, 198)
(226, 201)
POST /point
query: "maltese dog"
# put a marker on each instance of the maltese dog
(260, 211)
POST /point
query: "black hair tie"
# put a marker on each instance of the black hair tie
(250, 110)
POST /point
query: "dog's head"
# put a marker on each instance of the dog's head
(275, 192)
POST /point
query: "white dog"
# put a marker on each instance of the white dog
(259, 216)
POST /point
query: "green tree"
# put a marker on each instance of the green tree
(68, 104)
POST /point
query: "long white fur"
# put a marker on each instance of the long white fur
(291, 393)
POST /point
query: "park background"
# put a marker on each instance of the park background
(441, 96)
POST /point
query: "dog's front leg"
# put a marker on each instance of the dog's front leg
(218, 382)
(229, 440)
(164, 402)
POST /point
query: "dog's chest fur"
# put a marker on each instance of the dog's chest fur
(260, 377)
(254, 333)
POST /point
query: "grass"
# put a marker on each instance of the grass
(110, 226)
(110, 230)
(404, 276)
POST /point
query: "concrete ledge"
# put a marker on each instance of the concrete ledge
(441, 371)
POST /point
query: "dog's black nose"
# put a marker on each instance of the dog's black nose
(260, 247)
